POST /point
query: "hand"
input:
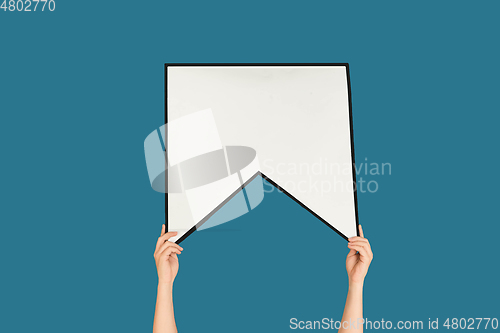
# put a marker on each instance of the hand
(166, 259)
(359, 258)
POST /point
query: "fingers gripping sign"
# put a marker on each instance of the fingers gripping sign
(359, 258)
(167, 263)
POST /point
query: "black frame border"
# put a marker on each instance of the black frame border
(346, 65)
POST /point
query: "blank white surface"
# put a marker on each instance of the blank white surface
(292, 116)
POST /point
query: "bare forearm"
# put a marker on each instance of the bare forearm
(164, 321)
(352, 319)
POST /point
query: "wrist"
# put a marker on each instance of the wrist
(356, 285)
(165, 285)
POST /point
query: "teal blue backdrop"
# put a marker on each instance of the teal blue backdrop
(81, 88)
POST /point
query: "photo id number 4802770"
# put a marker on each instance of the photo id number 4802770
(28, 5)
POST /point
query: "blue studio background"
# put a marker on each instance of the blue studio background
(81, 88)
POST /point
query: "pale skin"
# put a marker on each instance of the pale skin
(167, 263)
(357, 262)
